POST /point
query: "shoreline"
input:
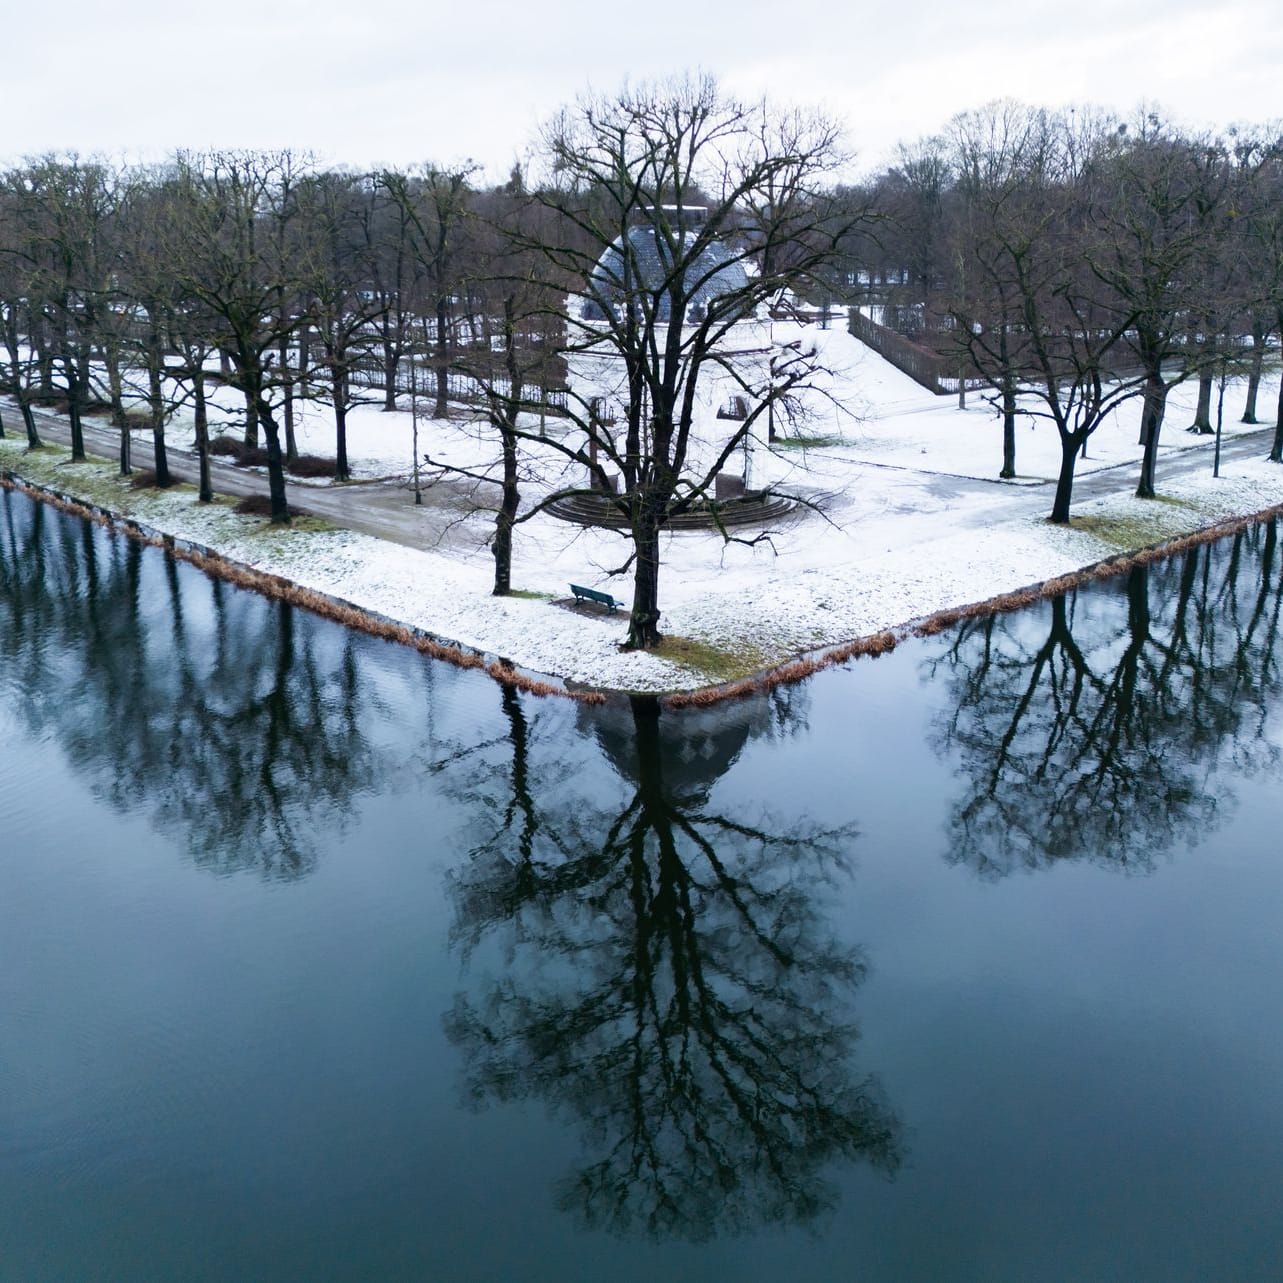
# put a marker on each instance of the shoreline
(888, 639)
(359, 618)
(364, 618)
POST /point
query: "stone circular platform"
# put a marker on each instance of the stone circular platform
(754, 508)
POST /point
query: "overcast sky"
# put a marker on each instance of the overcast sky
(390, 81)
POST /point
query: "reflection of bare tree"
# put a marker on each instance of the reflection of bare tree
(672, 987)
(232, 720)
(1097, 724)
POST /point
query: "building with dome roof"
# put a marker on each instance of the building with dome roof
(645, 264)
(658, 263)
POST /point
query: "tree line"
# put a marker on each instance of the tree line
(1070, 261)
(1064, 261)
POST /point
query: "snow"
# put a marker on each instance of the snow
(908, 519)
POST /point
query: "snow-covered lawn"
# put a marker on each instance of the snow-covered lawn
(909, 522)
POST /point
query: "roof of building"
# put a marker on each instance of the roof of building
(650, 261)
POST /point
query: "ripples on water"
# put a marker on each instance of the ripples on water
(837, 981)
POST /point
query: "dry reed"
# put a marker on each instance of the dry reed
(216, 566)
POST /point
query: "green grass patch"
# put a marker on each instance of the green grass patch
(805, 443)
(1141, 528)
(300, 523)
(714, 663)
(529, 594)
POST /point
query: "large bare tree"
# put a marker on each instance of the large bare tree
(681, 212)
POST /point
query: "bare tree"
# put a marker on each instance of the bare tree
(1158, 198)
(19, 369)
(665, 196)
(228, 255)
(1007, 160)
(433, 203)
(334, 267)
(1260, 204)
(1064, 323)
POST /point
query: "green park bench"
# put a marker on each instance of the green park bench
(591, 594)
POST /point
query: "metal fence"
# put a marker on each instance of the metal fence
(369, 372)
(919, 363)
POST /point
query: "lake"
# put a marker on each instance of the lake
(320, 960)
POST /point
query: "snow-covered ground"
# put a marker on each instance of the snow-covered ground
(908, 520)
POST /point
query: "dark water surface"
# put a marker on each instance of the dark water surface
(321, 961)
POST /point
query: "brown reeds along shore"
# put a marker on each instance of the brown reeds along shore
(351, 616)
(373, 624)
(881, 642)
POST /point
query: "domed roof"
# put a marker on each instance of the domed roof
(710, 274)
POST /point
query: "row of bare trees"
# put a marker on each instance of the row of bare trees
(1070, 261)
(257, 268)
(1067, 262)
(1073, 261)
(286, 280)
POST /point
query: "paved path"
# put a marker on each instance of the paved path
(386, 509)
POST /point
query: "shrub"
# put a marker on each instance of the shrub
(260, 505)
(313, 465)
(146, 480)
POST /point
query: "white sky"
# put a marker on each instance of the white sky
(392, 81)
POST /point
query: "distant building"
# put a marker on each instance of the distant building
(636, 276)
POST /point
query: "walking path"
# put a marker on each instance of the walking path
(386, 509)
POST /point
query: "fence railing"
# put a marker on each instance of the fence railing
(369, 372)
(919, 363)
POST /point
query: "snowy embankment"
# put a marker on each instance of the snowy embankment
(901, 529)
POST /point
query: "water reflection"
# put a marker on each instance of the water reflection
(671, 985)
(233, 722)
(1099, 725)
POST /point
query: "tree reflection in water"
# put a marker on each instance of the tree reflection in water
(1099, 725)
(230, 720)
(671, 984)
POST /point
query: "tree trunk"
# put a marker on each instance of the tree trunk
(2, 436)
(1203, 414)
(338, 396)
(160, 454)
(29, 422)
(390, 364)
(251, 421)
(1276, 449)
(291, 443)
(1069, 448)
(442, 407)
(506, 517)
(504, 417)
(275, 463)
(73, 412)
(304, 353)
(1008, 429)
(84, 372)
(206, 489)
(287, 397)
(45, 367)
(643, 623)
(156, 397)
(1254, 374)
(126, 451)
(114, 394)
(1151, 425)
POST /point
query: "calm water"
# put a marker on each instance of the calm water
(319, 961)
